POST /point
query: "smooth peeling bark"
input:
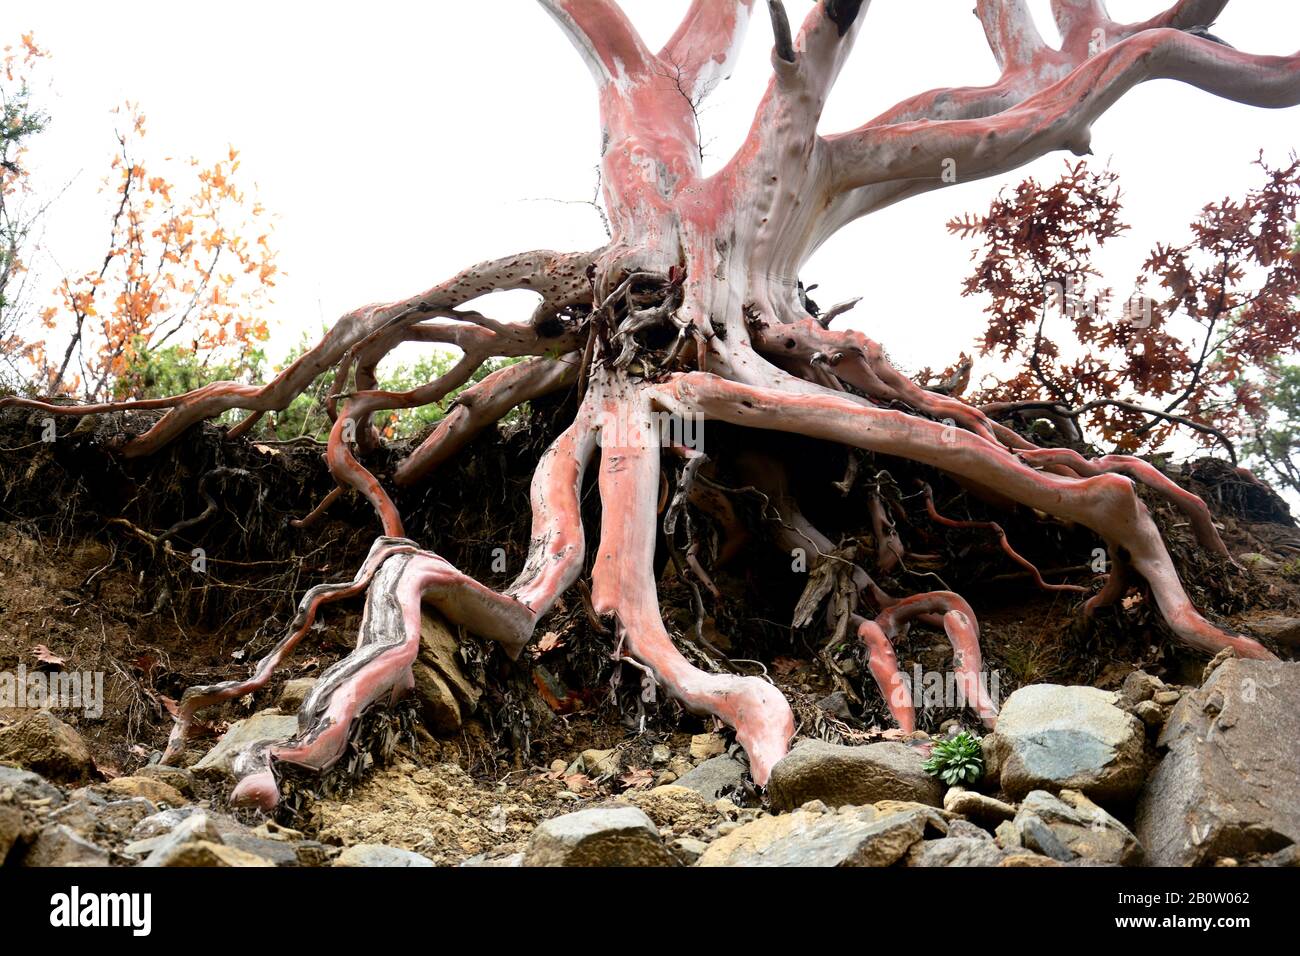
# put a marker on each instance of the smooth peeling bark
(623, 585)
(399, 578)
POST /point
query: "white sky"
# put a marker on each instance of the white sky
(399, 142)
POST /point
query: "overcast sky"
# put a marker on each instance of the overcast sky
(398, 142)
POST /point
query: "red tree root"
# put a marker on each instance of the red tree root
(1002, 541)
(1107, 503)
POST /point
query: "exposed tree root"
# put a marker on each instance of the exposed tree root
(695, 309)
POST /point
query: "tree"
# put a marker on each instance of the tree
(180, 285)
(1197, 350)
(20, 120)
(1274, 441)
(693, 313)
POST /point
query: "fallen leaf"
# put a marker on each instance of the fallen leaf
(638, 778)
(47, 656)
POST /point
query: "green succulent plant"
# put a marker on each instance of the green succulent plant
(957, 760)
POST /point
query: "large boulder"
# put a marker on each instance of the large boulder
(852, 776)
(243, 733)
(1229, 784)
(45, 744)
(1051, 737)
(850, 836)
(601, 836)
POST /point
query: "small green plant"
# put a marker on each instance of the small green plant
(957, 760)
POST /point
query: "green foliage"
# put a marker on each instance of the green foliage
(1275, 445)
(957, 760)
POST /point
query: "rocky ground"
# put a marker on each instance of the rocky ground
(1075, 776)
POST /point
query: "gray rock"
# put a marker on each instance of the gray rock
(198, 827)
(376, 854)
(178, 777)
(293, 693)
(1051, 737)
(839, 775)
(967, 830)
(60, 845)
(956, 851)
(1082, 828)
(688, 850)
(482, 860)
(439, 708)
(1037, 835)
(165, 821)
(715, 777)
(13, 830)
(205, 853)
(1139, 686)
(43, 743)
(1278, 627)
(24, 787)
(243, 733)
(836, 704)
(1229, 785)
(982, 809)
(601, 836)
(852, 836)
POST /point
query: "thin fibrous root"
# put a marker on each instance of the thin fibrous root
(1002, 542)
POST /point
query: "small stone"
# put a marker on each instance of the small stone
(839, 775)
(1037, 835)
(206, 854)
(687, 850)
(42, 743)
(704, 746)
(1139, 686)
(198, 827)
(1081, 827)
(60, 845)
(294, 694)
(1257, 562)
(439, 708)
(955, 851)
(601, 836)
(559, 766)
(27, 788)
(977, 807)
(837, 705)
(682, 808)
(13, 830)
(714, 777)
(855, 836)
(152, 790)
(1165, 698)
(376, 854)
(176, 777)
(242, 734)
(660, 754)
(599, 763)
(1150, 713)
